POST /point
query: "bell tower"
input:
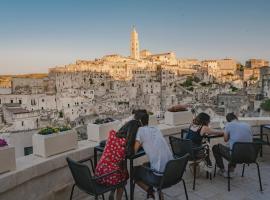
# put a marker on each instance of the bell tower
(134, 44)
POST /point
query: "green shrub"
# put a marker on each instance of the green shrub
(50, 130)
(266, 105)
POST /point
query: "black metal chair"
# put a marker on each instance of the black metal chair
(181, 147)
(88, 183)
(244, 153)
(173, 174)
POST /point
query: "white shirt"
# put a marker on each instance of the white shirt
(155, 147)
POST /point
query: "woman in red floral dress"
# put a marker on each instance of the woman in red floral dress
(115, 153)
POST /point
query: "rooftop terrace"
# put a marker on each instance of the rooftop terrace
(50, 179)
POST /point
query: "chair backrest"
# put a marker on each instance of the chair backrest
(82, 176)
(181, 147)
(174, 171)
(245, 152)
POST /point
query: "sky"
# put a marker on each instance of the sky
(38, 34)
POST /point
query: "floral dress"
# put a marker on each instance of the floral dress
(112, 159)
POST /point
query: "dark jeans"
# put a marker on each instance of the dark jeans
(146, 175)
(220, 151)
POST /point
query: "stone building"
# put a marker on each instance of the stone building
(265, 81)
(237, 103)
(19, 118)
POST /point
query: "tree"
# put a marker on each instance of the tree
(266, 105)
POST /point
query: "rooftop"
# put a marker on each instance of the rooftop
(49, 178)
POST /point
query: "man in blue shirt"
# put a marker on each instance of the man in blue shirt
(235, 131)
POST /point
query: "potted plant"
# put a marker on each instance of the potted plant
(265, 108)
(178, 115)
(152, 119)
(7, 157)
(54, 140)
(100, 128)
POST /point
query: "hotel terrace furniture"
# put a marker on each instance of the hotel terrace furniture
(261, 139)
(88, 183)
(173, 174)
(178, 118)
(56, 143)
(244, 153)
(7, 159)
(181, 147)
(99, 132)
(131, 167)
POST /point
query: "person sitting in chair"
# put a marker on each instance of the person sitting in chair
(158, 153)
(119, 146)
(197, 130)
(235, 131)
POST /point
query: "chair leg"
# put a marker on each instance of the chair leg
(229, 179)
(243, 170)
(71, 194)
(96, 197)
(185, 189)
(126, 195)
(259, 174)
(194, 175)
(103, 198)
(215, 170)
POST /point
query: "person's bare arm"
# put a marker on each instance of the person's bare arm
(137, 145)
(226, 137)
(209, 131)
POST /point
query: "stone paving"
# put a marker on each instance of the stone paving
(242, 188)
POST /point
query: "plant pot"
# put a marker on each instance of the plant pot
(99, 132)
(56, 143)
(7, 159)
(178, 118)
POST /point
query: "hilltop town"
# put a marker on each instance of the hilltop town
(114, 85)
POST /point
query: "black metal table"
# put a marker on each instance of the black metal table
(261, 141)
(131, 167)
(208, 137)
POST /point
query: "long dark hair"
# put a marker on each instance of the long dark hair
(202, 119)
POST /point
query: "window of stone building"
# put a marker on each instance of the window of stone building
(0, 101)
(11, 101)
(20, 101)
(42, 100)
(68, 105)
(22, 123)
(42, 108)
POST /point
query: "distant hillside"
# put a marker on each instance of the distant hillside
(5, 80)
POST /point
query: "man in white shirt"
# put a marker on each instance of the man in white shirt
(158, 153)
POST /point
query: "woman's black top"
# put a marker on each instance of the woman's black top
(195, 136)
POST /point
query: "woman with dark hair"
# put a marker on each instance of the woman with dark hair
(197, 130)
(119, 146)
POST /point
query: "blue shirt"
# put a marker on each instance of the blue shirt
(238, 132)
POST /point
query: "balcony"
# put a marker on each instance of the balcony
(50, 179)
